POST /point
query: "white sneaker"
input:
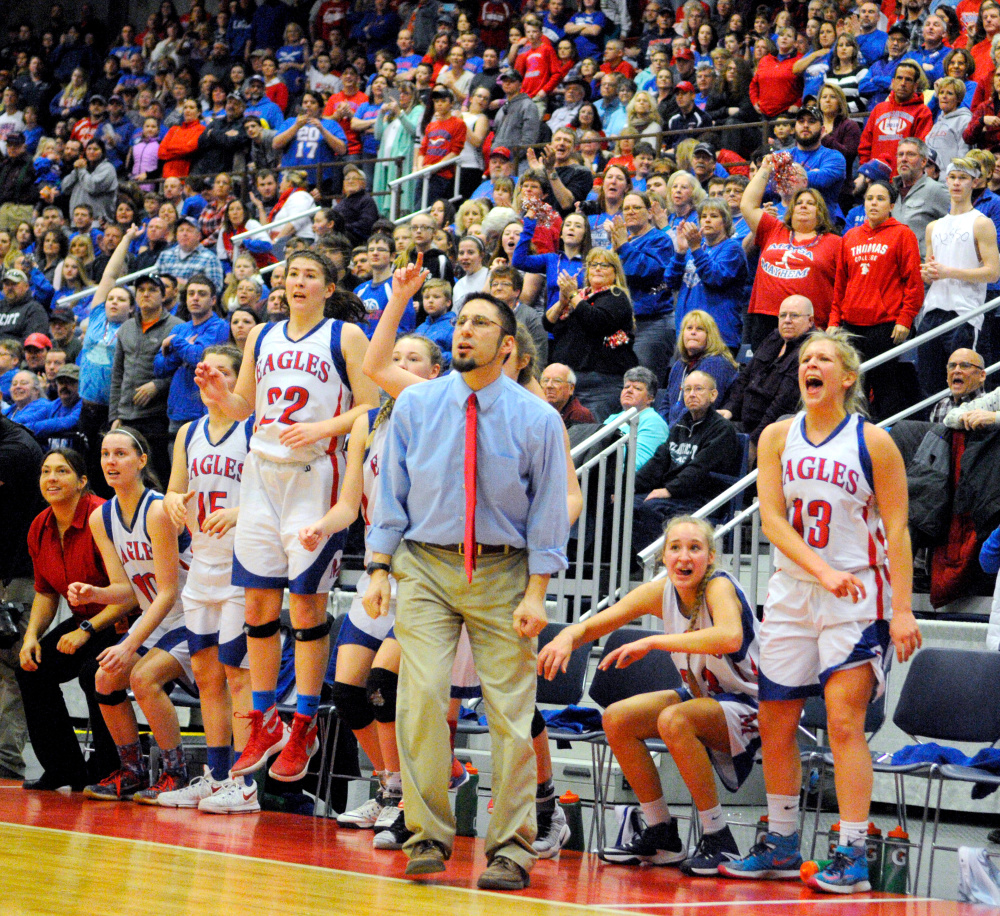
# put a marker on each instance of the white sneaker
(233, 797)
(388, 813)
(364, 816)
(191, 795)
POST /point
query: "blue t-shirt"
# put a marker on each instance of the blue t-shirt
(294, 79)
(375, 296)
(309, 147)
(369, 142)
(586, 46)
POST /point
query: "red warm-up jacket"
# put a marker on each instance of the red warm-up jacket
(878, 276)
(774, 88)
(890, 122)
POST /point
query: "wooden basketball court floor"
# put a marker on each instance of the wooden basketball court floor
(61, 854)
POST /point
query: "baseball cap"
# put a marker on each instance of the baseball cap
(501, 152)
(684, 86)
(151, 278)
(190, 220)
(808, 112)
(15, 137)
(256, 78)
(97, 97)
(37, 341)
(511, 74)
(876, 170)
(69, 371)
(705, 148)
(117, 99)
(684, 54)
(898, 29)
(15, 276)
(62, 315)
(237, 96)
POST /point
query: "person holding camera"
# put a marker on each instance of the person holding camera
(20, 502)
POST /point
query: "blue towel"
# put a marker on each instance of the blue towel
(988, 760)
(578, 719)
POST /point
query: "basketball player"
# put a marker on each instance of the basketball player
(301, 384)
(147, 563)
(204, 496)
(833, 502)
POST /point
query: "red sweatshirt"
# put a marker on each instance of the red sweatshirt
(774, 88)
(540, 69)
(878, 276)
(890, 122)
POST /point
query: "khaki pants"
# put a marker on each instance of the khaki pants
(12, 214)
(433, 600)
(13, 726)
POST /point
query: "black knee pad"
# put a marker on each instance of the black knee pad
(111, 699)
(352, 705)
(382, 685)
(537, 724)
(310, 634)
(263, 630)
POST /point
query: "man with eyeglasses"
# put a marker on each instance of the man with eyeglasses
(506, 283)
(374, 293)
(558, 385)
(966, 378)
(678, 478)
(767, 387)
(481, 553)
(436, 262)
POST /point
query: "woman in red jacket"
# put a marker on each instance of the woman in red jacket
(179, 147)
(775, 87)
(879, 255)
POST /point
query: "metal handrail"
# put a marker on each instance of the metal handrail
(278, 222)
(648, 555)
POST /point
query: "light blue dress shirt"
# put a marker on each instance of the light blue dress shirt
(520, 479)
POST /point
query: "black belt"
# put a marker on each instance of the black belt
(641, 318)
(482, 550)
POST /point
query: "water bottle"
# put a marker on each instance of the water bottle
(833, 839)
(467, 803)
(874, 847)
(571, 806)
(763, 828)
(896, 862)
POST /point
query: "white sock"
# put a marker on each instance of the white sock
(655, 812)
(712, 820)
(394, 783)
(853, 834)
(782, 814)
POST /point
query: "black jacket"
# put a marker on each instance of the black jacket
(218, 146)
(592, 337)
(767, 387)
(17, 180)
(359, 212)
(694, 450)
(19, 319)
(20, 499)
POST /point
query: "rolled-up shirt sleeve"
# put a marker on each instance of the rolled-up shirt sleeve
(548, 516)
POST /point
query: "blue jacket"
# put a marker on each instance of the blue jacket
(5, 381)
(875, 87)
(932, 62)
(826, 169)
(182, 356)
(548, 264)
(440, 329)
(55, 419)
(28, 413)
(644, 260)
(712, 279)
(670, 403)
(872, 46)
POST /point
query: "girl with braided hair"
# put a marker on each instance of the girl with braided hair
(711, 722)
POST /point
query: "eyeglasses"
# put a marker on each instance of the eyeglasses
(791, 316)
(479, 322)
(554, 382)
(694, 389)
(965, 366)
(501, 284)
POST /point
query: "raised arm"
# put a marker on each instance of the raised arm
(753, 196)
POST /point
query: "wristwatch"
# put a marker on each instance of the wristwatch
(87, 627)
(371, 567)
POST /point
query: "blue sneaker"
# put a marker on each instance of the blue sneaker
(774, 857)
(847, 873)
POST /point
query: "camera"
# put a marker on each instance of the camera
(10, 614)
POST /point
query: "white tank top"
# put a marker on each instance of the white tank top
(733, 674)
(214, 472)
(830, 498)
(299, 381)
(953, 241)
(135, 550)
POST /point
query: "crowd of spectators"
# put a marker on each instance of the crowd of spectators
(681, 193)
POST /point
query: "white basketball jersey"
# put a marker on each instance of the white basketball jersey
(214, 472)
(734, 674)
(370, 473)
(830, 498)
(299, 381)
(135, 550)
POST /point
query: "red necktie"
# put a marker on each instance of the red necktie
(470, 486)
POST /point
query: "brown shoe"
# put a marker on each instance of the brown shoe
(427, 858)
(503, 874)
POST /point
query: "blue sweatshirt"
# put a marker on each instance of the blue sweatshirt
(644, 260)
(826, 169)
(875, 87)
(440, 329)
(180, 360)
(712, 279)
(548, 264)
